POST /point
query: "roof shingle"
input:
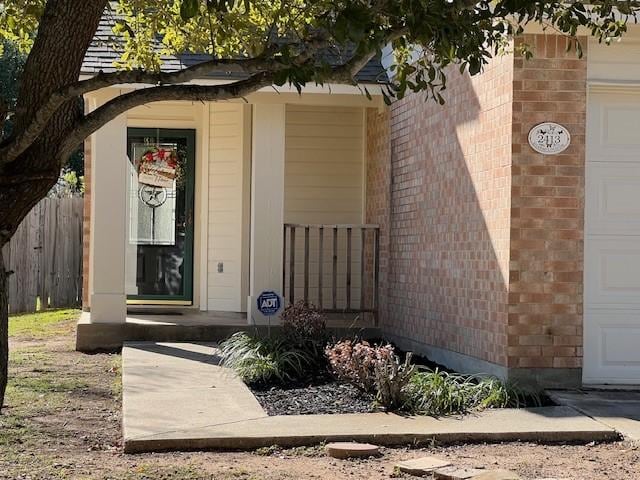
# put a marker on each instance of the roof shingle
(103, 53)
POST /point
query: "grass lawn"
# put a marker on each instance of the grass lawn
(62, 421)
(42, 324)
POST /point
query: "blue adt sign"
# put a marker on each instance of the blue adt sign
(269, 303)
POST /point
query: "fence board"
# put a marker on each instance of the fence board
(45, 255)
(330, 269)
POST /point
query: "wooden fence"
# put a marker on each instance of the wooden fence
(45, 255)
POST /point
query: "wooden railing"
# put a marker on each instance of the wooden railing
(320, 265)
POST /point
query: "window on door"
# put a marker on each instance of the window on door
(159, 259)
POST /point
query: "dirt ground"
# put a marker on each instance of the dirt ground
(63, 421)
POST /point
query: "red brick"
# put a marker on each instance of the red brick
(483, 237)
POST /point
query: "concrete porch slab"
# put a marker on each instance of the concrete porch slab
(166, 386)
(619, 410)
(188, 326)
(175, 397)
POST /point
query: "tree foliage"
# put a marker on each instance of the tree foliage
(426, 35)
(11, 64)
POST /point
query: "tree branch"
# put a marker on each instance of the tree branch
(21, 142)
(346, 73)
(202, 93)
(267, 61)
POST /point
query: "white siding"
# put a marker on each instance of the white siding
(323, 165)
(229, 131)
(324, 184)
(619, 61)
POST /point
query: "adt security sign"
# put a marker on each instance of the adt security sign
(269, 303)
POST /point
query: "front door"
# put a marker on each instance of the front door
(159, 259)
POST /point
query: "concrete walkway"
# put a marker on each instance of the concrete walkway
(175, 397)
(619, 410)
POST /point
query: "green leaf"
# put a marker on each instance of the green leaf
(474, 66)
(189, 9)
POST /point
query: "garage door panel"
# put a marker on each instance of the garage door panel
(611, 353)
(613, 199)
(613, 272)
(611, 136)
(612, 240)
(616, 118)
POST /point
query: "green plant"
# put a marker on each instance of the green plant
(441, 393)
(438, 393)
(263, 360)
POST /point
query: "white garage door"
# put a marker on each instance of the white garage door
(612, 240)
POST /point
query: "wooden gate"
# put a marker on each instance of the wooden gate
(45, 256)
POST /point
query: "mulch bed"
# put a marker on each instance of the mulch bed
(320, 396)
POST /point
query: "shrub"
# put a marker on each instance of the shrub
(392, 378)
(295, 354)
(303, 321)
(304, 327)
(356, 362)
(264, 360)
(374, 369)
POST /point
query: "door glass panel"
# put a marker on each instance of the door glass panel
(153, 196)
(160, 227)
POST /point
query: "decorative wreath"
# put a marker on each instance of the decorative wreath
(158, 156)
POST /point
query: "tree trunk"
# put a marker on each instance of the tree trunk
(65, 31)
(4, 332)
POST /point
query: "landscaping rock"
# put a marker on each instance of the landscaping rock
(327, 396)
(351, 450)
(498, 475)
(456, 473)
(422, 466)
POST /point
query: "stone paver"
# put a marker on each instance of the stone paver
(175, 397)
(619, 410)
(351, 449)
(457, 473)
(422, 466)
(498, 475)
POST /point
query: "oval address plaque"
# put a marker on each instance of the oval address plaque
(549, 138)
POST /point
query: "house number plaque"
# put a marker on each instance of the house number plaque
(549, 138)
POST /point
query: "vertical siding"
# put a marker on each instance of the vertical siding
(228, 159)
(324, 168)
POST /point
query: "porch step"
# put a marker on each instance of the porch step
(91, 337)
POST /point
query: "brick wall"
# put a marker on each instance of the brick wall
(545, 299)
(378, 190)
(448, 195)
(482, 238)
